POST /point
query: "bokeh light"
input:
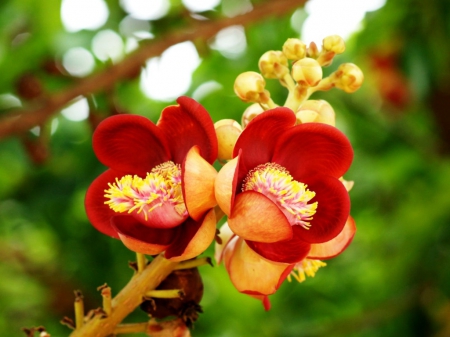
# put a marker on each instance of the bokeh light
(146, 10)
(83, 14)
(230, 42)
(330, 17)
(78, 61)
(169, 76)
(108, 45)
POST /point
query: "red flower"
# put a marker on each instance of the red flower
(283, 199)
(157, 194)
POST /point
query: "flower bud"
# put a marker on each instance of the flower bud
(294, 49)
(251, 112)
(227, 131)
(348, 77)
(316, 111)
(249, 87)
(334, 43)
(273, 64)
(348, 184)
(307, 72)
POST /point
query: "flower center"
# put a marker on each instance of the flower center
(162, 186)
(291, 196)
(306, 267)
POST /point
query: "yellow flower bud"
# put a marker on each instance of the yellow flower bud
(316, 111)
(307, 72)
(249, 87)
(348, 77)
(294, 49)
(227, 131)
(251, 112)
(334, 43)
(273, 64)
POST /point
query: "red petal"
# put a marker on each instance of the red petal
(258, 139)
(225, 185)
(97, 212)
(332, 211)
(198, 184)
(193, 238)
(314, 148)
(129, 143)
(255, 217)
(140, 238)
(288, 251)
(186, 125)
(332, 248)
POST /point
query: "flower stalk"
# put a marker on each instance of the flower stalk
(128, 299)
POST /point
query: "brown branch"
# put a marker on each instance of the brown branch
(21, 121)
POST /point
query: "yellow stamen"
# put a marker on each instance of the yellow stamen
(133, 193)
(306, 267)
(275, 182)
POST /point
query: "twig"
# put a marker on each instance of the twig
(23, 120)
(128, 299)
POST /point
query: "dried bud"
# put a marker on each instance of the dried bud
(334, 43)
(251, 112)
(294, 49)
(313, 111)
(348, 77)
(307, 72)
(249, 87)
(273, 64)
(227, 131)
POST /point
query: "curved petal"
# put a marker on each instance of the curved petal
(314, 148)
(186, 125)
(164, 216)
(193, 238)
(129, 143)
(332, 248)
(250, 273)
(142, 239)
(225, 235)
(97, 212)
(332, 211)
(258, 139)
(225, 185)
(198, 178)
(255, 217)
(288, 251)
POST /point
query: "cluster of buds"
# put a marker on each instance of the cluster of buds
(304, 77)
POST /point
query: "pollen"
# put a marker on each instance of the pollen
(291, 196)
(306, 267)
(143, 195)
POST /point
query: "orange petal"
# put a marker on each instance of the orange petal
(335, 246)
(225, 236)
(251, 273)
(198, 184)
(255, 217)
(225, 185)
(200, 241)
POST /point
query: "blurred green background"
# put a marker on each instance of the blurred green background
(394, 279)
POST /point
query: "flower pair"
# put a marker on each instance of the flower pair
(281, 191)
